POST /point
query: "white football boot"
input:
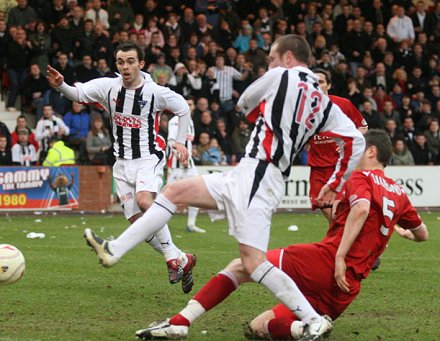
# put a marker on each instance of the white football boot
(163, 331)
(100, 246)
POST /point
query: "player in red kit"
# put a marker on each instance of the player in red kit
(324, 153)
(329, 273)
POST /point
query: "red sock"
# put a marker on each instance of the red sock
(215, 291)
(279, 328)
(179, 320)
(212, 293)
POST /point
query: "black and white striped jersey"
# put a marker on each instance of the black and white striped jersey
(288, 108)
(173, 128)
(135, 113)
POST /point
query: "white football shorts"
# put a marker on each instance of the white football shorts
(138, 175)
(248, 195)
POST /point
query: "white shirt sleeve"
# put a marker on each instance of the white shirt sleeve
(173, 128)
(351, 144)
(40, 132)
(94, 91)
(167, 99)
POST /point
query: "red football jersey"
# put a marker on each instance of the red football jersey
(389, 205)
(323, 150)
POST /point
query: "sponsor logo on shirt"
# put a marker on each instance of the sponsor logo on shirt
(127, 121)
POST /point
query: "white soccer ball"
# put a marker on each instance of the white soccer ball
(12, 264)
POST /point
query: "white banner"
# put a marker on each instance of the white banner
(419, 182)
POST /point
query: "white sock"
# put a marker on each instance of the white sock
(192, 311)
(142, 229)
(169, 250)
(285, 289)
(192, 216)
(155, 244)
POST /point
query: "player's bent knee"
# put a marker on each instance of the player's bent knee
(144, 204)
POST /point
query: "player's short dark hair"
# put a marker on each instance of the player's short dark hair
(328, 77)
(295, 44)
(129, 46)
(381, 140)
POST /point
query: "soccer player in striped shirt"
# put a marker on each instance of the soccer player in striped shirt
(135, 103)
(288, 108)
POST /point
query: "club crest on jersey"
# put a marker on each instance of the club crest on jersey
(142, 103)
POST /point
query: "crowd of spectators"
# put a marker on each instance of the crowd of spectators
(383, 55)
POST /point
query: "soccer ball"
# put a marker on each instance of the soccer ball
(11, 264)
(297, 330)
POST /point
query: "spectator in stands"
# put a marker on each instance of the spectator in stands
(425, 116)
(99, 144)
(5, 152)
(255, 55)
(103, 44)
(380, 77)
(120, 13)
(86, 71)
(355, 45)
(224, 76)
(103, 69)
(392, 129)
(240, 138)
(23, 153)
(205, 125)
(54, 12)
(22, 14)
(172, 27)
(416, 81)
(188, 24)
(380, 96)
(185, 83)
(432, 135)
(98, 14)
(17, 61)
(77, 18)
(155, 69)
(78, 121)
(225, 141)
(342, 19)
(213, 155)
(58, 154)
(401, 155)
(409, 131)
(48, 126)
(241, 43)
(203, 27)
(388, 113)
(63, 38)
(400, 27)
(420, 151)
(22, 124)
(35, 89)
(367, 95)
(41, 47)
(406, 109)
(371, 116)
(354, 94)
(423, 21)
(202, 146)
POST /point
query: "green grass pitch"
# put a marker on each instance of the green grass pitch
(66, 295)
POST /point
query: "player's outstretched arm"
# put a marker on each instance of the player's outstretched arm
(353, 225)
(419, 234)
(56, 81)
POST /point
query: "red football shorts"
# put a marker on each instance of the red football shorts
(311, 267)
(318, 178)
